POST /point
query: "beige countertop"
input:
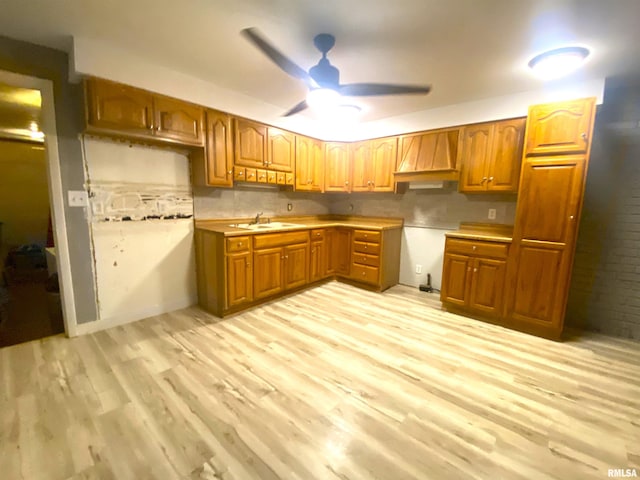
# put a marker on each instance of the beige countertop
(483, 231)
(226, 226)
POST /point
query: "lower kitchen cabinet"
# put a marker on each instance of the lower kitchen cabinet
(319, 267)
(473, 275)
(240, 271)
(239, 278)
(268, 272)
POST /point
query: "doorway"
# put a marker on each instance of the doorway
(36, 295)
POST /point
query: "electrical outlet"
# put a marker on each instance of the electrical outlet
(492, 214)
(77, 198)
(289, 207)
(418, 268)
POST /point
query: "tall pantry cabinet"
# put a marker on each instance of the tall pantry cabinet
(552, 182)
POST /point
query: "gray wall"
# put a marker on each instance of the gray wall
(605, 285)
(27, 59)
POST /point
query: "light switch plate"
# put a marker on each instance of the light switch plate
(492, 214)
(77, 198)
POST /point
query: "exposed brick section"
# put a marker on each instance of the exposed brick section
(605, 287)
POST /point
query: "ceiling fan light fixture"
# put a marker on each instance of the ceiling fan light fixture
(323, 98)
(558, 62)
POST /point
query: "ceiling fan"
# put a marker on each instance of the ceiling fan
(323, 79)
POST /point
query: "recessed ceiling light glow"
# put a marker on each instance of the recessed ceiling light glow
(323, 98)
(558, 62)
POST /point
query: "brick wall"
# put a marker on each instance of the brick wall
(605, 287)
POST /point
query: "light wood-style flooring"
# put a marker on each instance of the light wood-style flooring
(331, 383)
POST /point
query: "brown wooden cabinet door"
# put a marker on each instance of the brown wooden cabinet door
(239, 279)
(219, 150)
(549, 199)
(179, 121)
(476, 150)
(540, 285)
(309, 164)
(337, 168)
(340, 252)
(250, 143)
(487, 285)
(267, 272)
(113, 106)
(360, 153)
(296, 265)
(384, 153)
(456, 273)
(318, 263)
(281, 150)
(506, 156)
(560, 127)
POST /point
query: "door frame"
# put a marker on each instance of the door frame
(56, 192)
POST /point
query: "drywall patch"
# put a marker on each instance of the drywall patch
(137, 202)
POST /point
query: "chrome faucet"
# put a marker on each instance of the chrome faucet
(257, 219)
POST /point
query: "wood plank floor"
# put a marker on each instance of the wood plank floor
(330, 383)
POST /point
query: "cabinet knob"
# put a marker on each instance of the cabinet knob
(248, 264)
(491, 179)
(230, 172)
(364, 273)
(240, 174)
(468, 269)
(474, 247)
(313, 250)
(484, 179)
(584, 136)
(570, 217)
(347, 182)
(368, 182)
(239, 244)
(286, 256)
(475, 270)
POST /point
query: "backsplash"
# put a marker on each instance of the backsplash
(242, 202)
(431, 208)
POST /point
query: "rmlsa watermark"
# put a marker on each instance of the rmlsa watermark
(622, 472)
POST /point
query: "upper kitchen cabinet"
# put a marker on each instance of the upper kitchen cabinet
(118, 108)
(491, 156)
(373, 163)
(309, 164)
(177, 120)
(214, 166)
(337, 167)
(428, 153)
(122, 111)
(250, 143)
(561, 127)
(281, 150)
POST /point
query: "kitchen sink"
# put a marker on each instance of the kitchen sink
(266, 226)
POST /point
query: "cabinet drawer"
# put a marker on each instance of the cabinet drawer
(278, 239)
(366, 236)
(364, 259)
(261, 175)
(239, 174)
(237, 244)
(317, 234)
(477, 247)
(364, 247)
(364, 273)
(250, 175)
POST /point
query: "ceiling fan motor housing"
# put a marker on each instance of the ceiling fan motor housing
(325, 74)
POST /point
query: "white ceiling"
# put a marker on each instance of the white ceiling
(466, 49)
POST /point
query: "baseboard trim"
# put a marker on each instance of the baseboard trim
(130, 317)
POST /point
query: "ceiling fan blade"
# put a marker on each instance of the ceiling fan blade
(285, 63)
(298, 108)
(372, 89)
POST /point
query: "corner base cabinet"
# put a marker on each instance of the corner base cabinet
(236, 272)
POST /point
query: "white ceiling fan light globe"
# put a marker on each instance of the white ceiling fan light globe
(323, 98)
(558, 62)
